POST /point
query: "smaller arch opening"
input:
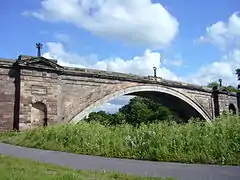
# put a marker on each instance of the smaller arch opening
(39, 114)
(232, 108)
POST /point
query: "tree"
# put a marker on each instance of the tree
(229, 87)
(101, 116)
(238, 73)
(138, 110)
(212, 84)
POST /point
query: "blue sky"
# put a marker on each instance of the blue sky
(172, 29)
(19, 33)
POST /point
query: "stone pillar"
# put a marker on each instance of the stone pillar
(60, 104)
(215, 96)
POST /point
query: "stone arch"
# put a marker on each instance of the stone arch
(137, 89)
(39, 114)
(232, 108)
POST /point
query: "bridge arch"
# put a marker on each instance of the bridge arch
(142, 89)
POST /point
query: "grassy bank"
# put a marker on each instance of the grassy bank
(190, 143)
(8, 135)
(22, 169)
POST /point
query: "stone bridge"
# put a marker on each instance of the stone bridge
(36, 91)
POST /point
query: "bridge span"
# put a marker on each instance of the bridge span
(36, 91)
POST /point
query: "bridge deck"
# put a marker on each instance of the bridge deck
(117, 76)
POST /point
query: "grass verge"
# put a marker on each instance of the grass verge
(8, 135)
(22, 169)
(190, 143)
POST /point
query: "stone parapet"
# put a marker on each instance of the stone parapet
(37, 91)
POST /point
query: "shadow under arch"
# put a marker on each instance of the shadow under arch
(142, 89)
(232, 108)
(39, 114)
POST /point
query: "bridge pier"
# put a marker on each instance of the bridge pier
(220, 106)
(238, 102)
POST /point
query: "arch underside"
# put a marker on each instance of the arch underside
(180, 107)
(184, 106)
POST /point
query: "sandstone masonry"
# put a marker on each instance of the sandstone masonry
(36, 91)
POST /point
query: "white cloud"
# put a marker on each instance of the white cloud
(122, 100)
(135, 21)
(225, 35)
(109, 107)
(114, 105)
(224, 69)
(139, 65)
(57, 51)
(213, 72)
(62, 37)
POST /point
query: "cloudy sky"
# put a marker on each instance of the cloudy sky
(188, 40)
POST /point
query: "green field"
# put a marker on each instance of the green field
(22, 169)
(197, 142)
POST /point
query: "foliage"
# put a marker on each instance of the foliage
(138, 110)
(229, 87)
(8, 134)
(17, 169)
(238, 73)
(212, 84)
(197, 142)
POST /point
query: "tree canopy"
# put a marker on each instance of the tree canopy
(229, 87)
(138, 110)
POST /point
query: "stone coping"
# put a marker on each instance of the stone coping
(73, 71)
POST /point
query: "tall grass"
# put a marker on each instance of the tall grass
(8, 134)
(197, 142)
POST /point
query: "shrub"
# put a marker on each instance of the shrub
(194, 142)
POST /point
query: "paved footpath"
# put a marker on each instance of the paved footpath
(144, 168)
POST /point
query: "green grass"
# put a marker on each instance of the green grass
(6, 135)
(190, 143)
(22, 169)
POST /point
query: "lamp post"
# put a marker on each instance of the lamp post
(154, 71)
(220, 82)
(39, 47)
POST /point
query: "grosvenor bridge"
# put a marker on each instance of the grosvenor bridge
(36, 91)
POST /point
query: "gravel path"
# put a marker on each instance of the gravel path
(144, 168)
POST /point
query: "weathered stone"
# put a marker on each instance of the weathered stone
(36, 91)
